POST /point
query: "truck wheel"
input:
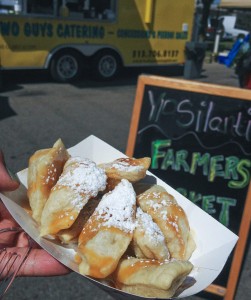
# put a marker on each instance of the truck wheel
(105, 65)
(66, 66)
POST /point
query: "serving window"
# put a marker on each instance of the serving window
(74, 9)
(11, 6)
(38, 7)
(35, 7)
(88, 9)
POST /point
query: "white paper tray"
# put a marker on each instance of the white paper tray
(214, 241)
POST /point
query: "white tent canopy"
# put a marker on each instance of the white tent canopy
(236, 3)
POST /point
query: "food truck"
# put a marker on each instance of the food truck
(65, 36)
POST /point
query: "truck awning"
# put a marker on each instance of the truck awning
(235, 3)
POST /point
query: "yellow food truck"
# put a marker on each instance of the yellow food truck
(65, 36)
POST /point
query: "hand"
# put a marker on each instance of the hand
(38, 262)
(6, 182)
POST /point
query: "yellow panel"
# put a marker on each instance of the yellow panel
(236, 3)
(145, 32)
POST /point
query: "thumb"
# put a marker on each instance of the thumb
(6, 182)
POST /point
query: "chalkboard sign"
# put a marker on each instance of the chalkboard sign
(198, 136)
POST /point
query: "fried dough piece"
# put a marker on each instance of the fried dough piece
(148, 240)
(151, 278)
(191, 246)
(171, 219)
(71, 235)
(80, 181)
(108, 232)
(45, 167)
(132, 169)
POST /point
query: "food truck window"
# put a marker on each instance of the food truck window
(106, 8)
(90, 9)
(11, 6)
(38, 7)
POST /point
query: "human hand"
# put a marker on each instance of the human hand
(6, 182)
(38, 262)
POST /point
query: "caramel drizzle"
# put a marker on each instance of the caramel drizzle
(125, 272)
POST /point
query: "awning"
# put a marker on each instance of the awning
(235, 3)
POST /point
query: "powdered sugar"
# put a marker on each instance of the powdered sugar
(51, 174)
(83, 177)
(151, 229)
(125, 165)
(116, 209)
(152, 195)
(159, 202)
(156, 205)
(174, 223)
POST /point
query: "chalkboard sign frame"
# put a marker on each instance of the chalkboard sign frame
(229, 290)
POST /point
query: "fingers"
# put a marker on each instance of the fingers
(7, 237)
(22, 240)
(40, 263)
(15, 237)
(6, 182)
(36, 262)
(6, 216)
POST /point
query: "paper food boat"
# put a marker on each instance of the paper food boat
(214, 241)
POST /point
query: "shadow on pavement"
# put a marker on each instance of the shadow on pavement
(13, 79)
(129, 76)
(5, 110)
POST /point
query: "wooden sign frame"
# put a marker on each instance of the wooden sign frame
(227, 292)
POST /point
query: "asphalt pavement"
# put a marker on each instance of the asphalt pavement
(34, 112)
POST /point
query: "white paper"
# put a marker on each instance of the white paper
(214, 241)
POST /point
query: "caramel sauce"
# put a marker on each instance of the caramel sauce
(24, 203)
(32, 188)
(55, 169)
(77, 258)
(127, 271)
(50, 173)
(129, 161)
(92, 227)
(89, 231)
(62, 220)
(97, 262)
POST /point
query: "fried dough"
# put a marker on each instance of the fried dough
(171, 219)
(151, 278)
(148, 239)
(71, 234)
(108, 232)
(45, 167)
(80, 181)
(132, 169)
